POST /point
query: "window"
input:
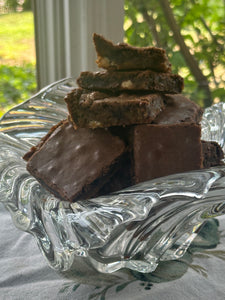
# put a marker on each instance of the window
(17, 53)
(63, 30)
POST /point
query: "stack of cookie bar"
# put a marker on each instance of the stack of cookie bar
(126, 124)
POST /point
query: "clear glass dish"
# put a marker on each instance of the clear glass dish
(132, 229)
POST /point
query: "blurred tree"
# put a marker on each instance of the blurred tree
(27, 5)
(11, 4)
(192, 33)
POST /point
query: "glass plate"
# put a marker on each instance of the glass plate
(133, 229)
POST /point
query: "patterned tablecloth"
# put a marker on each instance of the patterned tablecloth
(200, 274)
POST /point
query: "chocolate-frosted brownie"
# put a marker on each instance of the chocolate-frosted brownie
(179, 108)
(132, 81)
(172, 144)
(161, 150)
(75, 164)
(34, 149)
(94, 109)
(125, 57)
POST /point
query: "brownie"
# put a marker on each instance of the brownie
(212, 154)
(126, 125)
(132, 81)
(75, 164)
(161, 149)
(34, 149)
(93, 109)
(121, 179)
(126, 57)
(179, 108)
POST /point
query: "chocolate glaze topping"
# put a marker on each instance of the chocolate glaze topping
(179, 108)
(76, 162)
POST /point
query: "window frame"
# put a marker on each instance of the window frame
(63, 35)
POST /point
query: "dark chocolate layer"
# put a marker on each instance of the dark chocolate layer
(161, 150)
(178, 109)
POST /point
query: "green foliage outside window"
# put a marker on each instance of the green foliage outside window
(17, 59)
(14, 5)
(193, 34)
(17, 83)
